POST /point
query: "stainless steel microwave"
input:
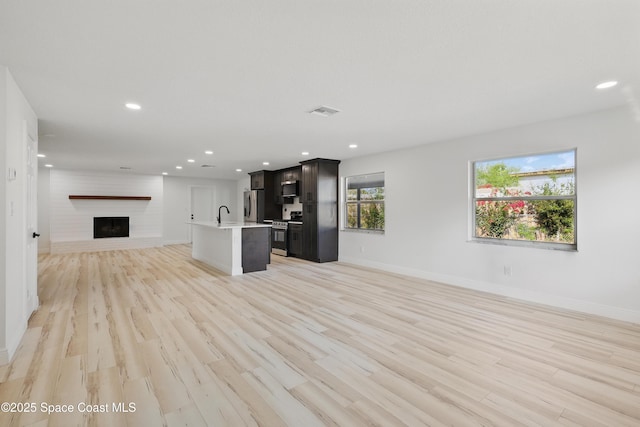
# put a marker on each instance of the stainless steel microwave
(290, 189)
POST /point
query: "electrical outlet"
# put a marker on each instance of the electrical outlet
(507, 270)
(361, 249)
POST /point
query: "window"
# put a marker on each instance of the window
(528, 200)
(365, 202)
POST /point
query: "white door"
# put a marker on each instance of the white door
(31, 217)
(202, 205)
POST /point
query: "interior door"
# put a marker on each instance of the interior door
(31, 222)
(202, 205)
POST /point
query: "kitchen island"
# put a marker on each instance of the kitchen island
(232, 247)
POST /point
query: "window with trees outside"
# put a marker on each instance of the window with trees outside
(365, 202)
(528, 200)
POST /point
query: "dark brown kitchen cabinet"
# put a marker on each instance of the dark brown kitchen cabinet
(320, 210)
(256, 249)
(295, 240)
(292, 174)
(281, 176)
(310, 232)
(309, 183)
(264, 180)
(277, 188)
(257, 180)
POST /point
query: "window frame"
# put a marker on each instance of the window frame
(358, 203)
(473, 199)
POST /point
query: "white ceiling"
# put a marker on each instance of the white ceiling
(238, 77)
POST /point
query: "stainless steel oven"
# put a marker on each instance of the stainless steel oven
(279, 238)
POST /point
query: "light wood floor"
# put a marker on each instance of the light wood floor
(307, 345)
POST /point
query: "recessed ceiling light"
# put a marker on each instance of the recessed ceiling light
(165, 173)
(178, 167)
(208, 152)
(191, 161)
(48, 166)
(41, 155)
(607, 85)
(265, 163)
(353, 145)
(305, 153)
(238, 170)
(132, 106)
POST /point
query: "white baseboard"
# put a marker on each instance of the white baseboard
(97, 245)
(175, 242)
(520, 294)
(7, 353)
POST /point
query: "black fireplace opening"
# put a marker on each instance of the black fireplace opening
(110, 226)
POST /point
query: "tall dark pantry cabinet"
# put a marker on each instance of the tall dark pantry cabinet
(319, 197)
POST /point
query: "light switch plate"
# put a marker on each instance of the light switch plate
(11, 176)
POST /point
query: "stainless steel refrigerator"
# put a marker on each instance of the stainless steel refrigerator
(254, 206)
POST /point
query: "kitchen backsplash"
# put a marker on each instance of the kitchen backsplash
(295, 206)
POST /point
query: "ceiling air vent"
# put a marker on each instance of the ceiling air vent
(324, 111)
(207, 166)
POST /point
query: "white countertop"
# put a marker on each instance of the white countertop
(229, 225)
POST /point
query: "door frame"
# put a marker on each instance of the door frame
(190, 201)
(30, 194)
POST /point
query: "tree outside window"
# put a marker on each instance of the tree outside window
(527, 199)
(365, 202)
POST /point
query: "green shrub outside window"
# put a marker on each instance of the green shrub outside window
(365, 202)
(527, 199)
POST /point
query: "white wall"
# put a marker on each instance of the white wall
(242, 185)
(177, 204)
(4, 354)
(44, 241)
(14, 306)
(167, 224)
(71, 221)
(427, 214)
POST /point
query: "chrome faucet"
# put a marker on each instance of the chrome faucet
(219, 215)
